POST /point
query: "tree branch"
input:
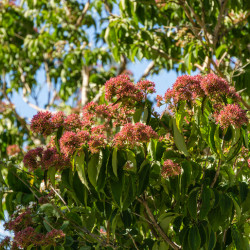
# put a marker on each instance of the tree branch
(219, 22)
(18, 117)
(216, 174)
(85, 83)
(147, 70)
(85, 9)
(123, 65)
(157, 227)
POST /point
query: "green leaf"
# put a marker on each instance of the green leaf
(212, 129)
(152, 148)
(203, 234)
(212, 240)
(165, 219)
(93, 165)
(74, 217)
(236, 206)
(179, 140)
(114, 161)
(49, 210)
(58, 136)
(137, 114)
(218, 142)
(225, 205)
(131, 161)
(116, 190)
(80, 167)
(192, 203)
(51, 175)
(145, 115)
(222, 48)
(194, 239)
(186, 176)
(205, 205)
(30, 247)
(143, 177)
(9, 202)
(102, 173)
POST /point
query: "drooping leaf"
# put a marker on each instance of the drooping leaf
(179, 139)
(80, 167)
(194, 238)
(192, 203)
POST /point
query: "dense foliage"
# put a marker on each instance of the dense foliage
(120, 176)
(105, 170)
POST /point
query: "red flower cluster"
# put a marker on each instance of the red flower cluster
(214, 86)
(44, 158)
(147, 87)
(170, 169)
(123, 89)
(72, 122)
(231, 114)
(58, 119)
(69, 142)
(29, 236)
(51, 158)
(41, 123)
(25, 234)
(106, 114)
(185, 88)
(45, 123)
(188, 88)
(21, 221)
(134, 134)
(13, 150)
(33, 158)
(5, 243)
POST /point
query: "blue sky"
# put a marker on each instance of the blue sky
(163, 81)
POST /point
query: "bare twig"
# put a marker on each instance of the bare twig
(19, 118)
(48, 80)
(157, 227)
(147, 70)
(60, 197)
(85, 9)
(123, 65)
(219, 22)
(216, 174)
(26, 185)
(99, 94)
(85, 83)
(133, 241)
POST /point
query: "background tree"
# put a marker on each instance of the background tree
(132, 194)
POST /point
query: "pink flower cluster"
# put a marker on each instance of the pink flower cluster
(134, 134)
(170, 169)
(46, 123)
(25, 234)
(185, 88)
(13, 150)
(21, 221)
(146, 86)
(5, 243)
(188, 88)
(214, 85)
(45, 158)
(41, 123)
(29, 236)
(111, 113)
(123, 89)
(33, 158)
(231, 114)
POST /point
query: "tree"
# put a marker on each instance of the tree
(115, 174)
